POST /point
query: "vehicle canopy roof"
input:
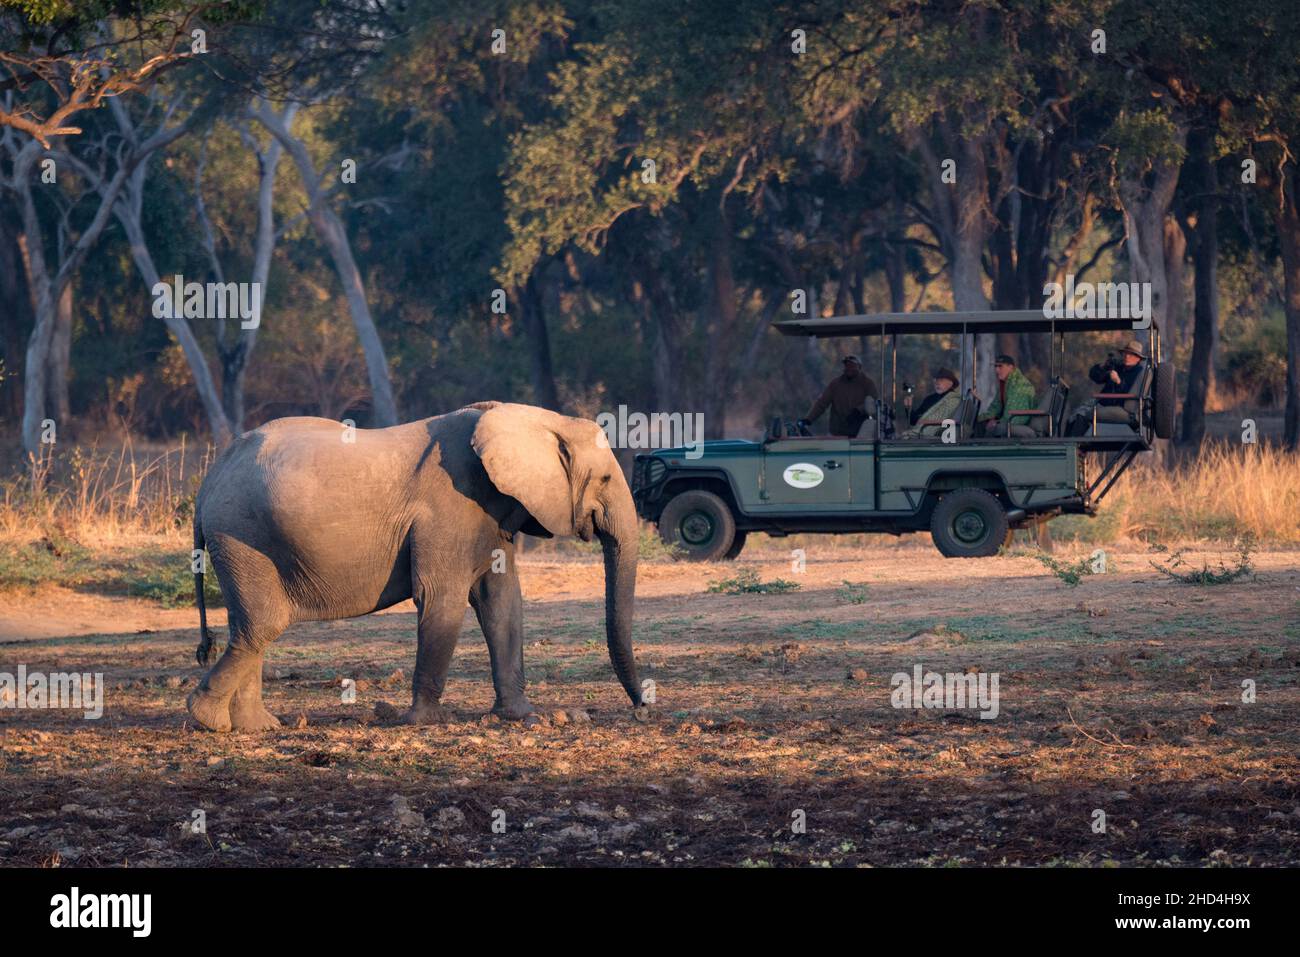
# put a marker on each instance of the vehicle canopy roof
(923, 323)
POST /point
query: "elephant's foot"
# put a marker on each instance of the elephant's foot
(246, 715)
(532, 716)
(209, 710)
(517, 710)
(417, 714)
(426, 714)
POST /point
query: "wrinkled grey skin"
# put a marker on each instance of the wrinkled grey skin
(303, 526)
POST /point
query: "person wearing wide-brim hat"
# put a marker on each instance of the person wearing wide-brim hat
(1118, 376)
(945, 382)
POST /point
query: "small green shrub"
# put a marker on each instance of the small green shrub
(1071, 573)
(1180, 570)
(55, 558)
(854, 593)
(747, 582)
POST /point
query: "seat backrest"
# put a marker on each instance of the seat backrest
(1134, 406)
(1056, 406)
(967, 411)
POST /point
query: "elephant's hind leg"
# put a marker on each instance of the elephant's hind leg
(247, 712)
(230, 695)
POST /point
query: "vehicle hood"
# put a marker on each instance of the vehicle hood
(709, 447)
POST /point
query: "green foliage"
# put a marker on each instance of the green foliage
(1146, 138)
(854, 593)
(1256, 362)
(1180, 570)
(652, 548)
(160, 576)
(54, 558)
(1072, 573)
(747, 582)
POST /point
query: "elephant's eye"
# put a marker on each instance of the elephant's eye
(604, 480)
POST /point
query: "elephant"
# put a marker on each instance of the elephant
(305, 519)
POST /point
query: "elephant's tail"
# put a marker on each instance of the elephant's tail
(200, 562)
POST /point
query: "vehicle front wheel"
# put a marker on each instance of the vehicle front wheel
(700, 524)
(737, 545)
(969, 523)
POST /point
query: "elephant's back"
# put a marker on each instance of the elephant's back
(311, 485)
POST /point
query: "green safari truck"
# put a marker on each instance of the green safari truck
(969, 492)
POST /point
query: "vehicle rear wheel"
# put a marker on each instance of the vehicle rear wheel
(1164, 402)
(737, 544)
(700, 524)
(969, 523)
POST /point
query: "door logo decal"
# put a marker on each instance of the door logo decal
(803, 475)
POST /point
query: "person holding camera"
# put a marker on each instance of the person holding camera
(1119, 377)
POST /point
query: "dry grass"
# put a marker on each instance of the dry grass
(1225, 493)
(96, 495)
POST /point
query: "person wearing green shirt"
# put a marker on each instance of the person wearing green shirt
(1015, 392)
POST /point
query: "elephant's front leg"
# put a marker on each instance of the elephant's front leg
(500, 609)
(439, 628)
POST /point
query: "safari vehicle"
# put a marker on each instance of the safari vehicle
(971, 493)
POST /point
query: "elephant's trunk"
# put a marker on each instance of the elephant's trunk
(620, 539)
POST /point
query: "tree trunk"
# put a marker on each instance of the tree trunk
(722, 330)
(49, 288)
(44, 302)
(1288, 229)
(1145, 208)
(963, 228)
(545, 393)
(61, 356)
(1205, 258)
(329, 228)
(222, 431)
(235, 357)
(1175, 255)
(14, 293)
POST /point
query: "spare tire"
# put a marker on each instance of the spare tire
(1164, 402)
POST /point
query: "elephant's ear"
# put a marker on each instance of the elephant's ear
(526, 452)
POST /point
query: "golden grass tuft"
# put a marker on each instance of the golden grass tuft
(1224, 493)
(93, 495)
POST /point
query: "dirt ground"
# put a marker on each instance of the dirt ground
(1122, 695)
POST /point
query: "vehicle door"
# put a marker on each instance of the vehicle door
(862, 473)
(811, 473)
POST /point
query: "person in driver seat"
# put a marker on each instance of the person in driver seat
(845, 396)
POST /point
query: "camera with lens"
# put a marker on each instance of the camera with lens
(1100, 373)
